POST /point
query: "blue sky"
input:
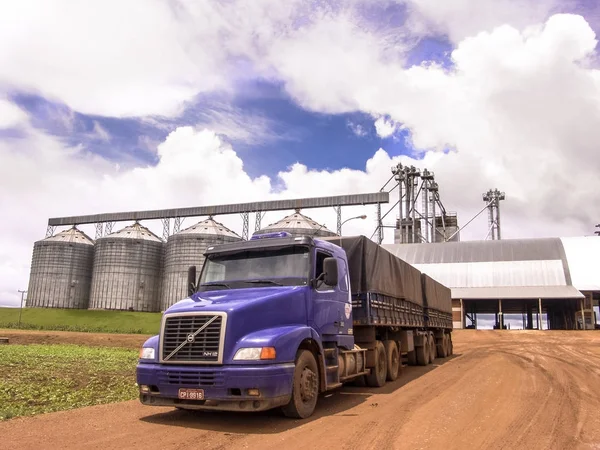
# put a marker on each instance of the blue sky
(288, 133)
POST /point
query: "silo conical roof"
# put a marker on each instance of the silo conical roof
(298, 223)
(210, 227)
(72, 235)
(135, 231)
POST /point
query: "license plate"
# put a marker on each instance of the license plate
(191, 394)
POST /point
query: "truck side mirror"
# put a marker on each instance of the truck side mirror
(330, 268)
(191, 281)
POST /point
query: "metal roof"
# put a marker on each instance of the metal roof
(209, 227)
(298, 222)
(509, 268)
(273, 205)
(135, 231)
(72, 235)
(514, 292)
(497, 273)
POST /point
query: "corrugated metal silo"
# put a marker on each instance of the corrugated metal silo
(298, 224)
(127, 270)
(185, 249)
(61, 271)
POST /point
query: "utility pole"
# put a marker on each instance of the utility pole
(21, 310)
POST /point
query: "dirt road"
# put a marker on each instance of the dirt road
(511, 389)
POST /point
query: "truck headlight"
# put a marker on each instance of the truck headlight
(147, 353)
(255, 353)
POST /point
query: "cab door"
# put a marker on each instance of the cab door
(332, 307)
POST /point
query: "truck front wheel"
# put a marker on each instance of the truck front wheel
(305, 387)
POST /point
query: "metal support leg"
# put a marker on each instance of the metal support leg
(108, 227)
(540, 314)
(379, 225)
(500, 315)
(257, 224)
(338, 210)
(50, 231)
(166, 228)
(99, 227)
(582, 315)
(462, 314)
(245, 225)
(176, 225)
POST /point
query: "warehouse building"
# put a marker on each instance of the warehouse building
(546, 283)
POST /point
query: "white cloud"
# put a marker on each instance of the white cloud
(358, 129)
(107, 58)
(460, 19)
(11, 115)
(384, 127)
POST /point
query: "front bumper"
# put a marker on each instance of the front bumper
(225, 387)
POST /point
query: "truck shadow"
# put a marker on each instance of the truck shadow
(339, 402)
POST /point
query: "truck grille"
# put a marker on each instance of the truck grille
(188, 338)
(179, 378)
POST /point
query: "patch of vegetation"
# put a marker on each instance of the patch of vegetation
(81, 320)
(37, 379)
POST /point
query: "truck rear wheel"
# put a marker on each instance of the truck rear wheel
(378, 373)
(423, 353)
(442, 346)
(450, 346)
(432, 349)
(446, 346)
(305, 387)
(393, 359)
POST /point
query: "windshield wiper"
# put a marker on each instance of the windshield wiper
(264, 281)
(215, 284)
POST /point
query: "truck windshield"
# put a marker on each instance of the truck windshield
(287, 266)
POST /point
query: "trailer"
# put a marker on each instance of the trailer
(277, 320)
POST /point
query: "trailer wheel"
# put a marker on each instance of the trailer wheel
(442, 346)
(432, 348)
(305, 387)
(422, 353)
(450, 346)
(378, 373)
(446, 345)
(393, 359)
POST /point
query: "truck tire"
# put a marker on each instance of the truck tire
(378, 373)
(423, 353)
(305, 387)
(432, 349)
(393, 360)
(446, 346)
(442, 346)
(450, 345)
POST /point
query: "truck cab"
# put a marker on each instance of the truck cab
(268, 323)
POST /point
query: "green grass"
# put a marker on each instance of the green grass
(37, 379)
(81, 320)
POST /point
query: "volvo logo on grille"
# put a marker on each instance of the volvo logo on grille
(190, 338)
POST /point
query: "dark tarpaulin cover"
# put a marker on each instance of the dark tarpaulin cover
(374, 269)
(437, 296)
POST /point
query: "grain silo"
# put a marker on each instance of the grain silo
(185, 249)
(127, 270)
(61, 271)
(298, 224)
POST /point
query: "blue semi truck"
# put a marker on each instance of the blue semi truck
(275, 321)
